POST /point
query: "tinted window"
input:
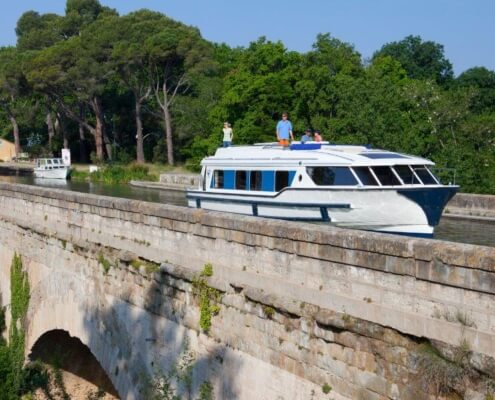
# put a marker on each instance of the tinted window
(267, 183)
(229, 179)
(406, 174)
(255, 180)
(240, 180)
(281, 180)
(329, 176)
(386, 176)
(424, 175)
(217, 179)
(365, 176)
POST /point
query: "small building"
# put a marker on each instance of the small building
(7, 150)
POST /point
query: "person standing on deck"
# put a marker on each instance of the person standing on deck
(228, 134)
(284, 130)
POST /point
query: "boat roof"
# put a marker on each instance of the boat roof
(310, 153)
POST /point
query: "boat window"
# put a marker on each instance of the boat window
(281, 180)
(268, 181)
(330, 176)
(229, 179)
(217, 182)
(386, 176)
(255, 180)
(424, 174)
(365, 176)
(241, 180)
(406, 174)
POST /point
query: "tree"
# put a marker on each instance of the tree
(257, 91)
(316, 94)
(421, 59)
(35, 31)
(483, 80)
(177, 53)
(13, 89)
(132, 62)
(74, 72)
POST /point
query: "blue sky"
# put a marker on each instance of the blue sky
(465, 28)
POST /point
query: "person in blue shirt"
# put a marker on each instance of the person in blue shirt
(284, 130)
(307, 136)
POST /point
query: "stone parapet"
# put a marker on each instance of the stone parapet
(472, 205)
(185, 180)
(326, 305)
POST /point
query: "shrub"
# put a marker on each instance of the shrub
(326, 388)
(208, 297)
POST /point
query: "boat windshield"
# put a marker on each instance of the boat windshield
(407, 175)
(424, 174)
(332, 176)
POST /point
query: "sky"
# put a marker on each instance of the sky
(466, 28)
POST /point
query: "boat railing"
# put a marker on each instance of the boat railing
(447, 176)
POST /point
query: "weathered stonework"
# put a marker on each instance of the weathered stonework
(472, 205)
(302, 305)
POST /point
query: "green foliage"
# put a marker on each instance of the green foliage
(14, 380)
(208, 297)
(113, 174)
(269, 311)
(150, 266)
(326, 388)
(206, 391)
(35, 376)
(421, 59)
(19, 287)
(2, 324)
(106, 265)
(207, 270)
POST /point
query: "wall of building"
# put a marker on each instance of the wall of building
(7, 150)
(302, 306)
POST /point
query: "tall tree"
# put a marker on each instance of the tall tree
(13, 87)
(177, 53)
(132, 62)
(421, 59)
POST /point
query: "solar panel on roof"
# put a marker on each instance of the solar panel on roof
(378, 156)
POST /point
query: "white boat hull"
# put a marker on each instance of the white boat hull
(56, 173)
(382, 210)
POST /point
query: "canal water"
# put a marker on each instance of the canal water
(452, 229)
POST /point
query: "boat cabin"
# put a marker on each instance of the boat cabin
(49, 163)
(270, 168)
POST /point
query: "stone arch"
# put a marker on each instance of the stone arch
(57, 347)
(75, 304)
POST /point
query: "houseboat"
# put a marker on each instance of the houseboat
(51, 168)
(346, 186)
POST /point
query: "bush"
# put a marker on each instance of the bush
(113, 174)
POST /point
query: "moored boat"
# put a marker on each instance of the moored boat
(51, 168)
(347, 186)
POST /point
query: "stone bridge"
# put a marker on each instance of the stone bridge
(304, 311)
